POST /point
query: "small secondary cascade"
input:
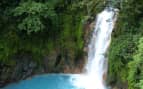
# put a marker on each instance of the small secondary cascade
(96, 67)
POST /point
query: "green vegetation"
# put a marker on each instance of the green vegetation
(42, 27)
(125, 54)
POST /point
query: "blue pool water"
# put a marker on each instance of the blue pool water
(49, 81)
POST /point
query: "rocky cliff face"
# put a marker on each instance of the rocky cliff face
(22, 68)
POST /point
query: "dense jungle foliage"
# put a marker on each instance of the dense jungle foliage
(41, 27)
(126, 53)
(48, 32)
(38, 27)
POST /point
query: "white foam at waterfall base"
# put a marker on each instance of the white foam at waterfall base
(96, 66)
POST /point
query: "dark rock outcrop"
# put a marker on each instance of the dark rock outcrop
(22, 68)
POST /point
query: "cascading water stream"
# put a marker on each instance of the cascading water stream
(96, 68)
(97, 60)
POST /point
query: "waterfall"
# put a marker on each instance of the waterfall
(96, 67)
(101, 37)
